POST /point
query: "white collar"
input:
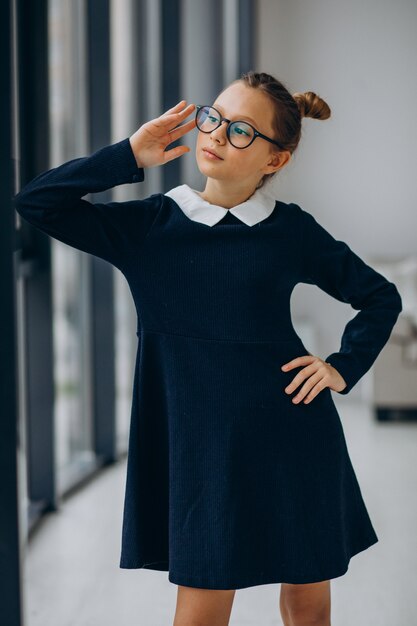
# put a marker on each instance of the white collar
(257, 208)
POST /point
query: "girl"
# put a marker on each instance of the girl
(238, 472)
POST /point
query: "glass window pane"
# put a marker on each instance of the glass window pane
(70, 267)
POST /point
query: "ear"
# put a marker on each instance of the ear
(277, 161)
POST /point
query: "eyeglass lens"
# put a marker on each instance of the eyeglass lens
(240, 133)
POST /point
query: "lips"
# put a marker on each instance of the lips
(212, 153)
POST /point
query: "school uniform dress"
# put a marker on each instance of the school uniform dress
(229, 483)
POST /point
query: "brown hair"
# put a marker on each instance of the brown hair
(289, 110)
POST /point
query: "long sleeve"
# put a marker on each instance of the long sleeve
(52, 203)
(336, 269)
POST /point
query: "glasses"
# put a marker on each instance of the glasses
(239, 133)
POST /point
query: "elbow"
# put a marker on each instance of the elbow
(400, 304)
(396, 301)
(19, 203)
(397, 298)
(26, 209)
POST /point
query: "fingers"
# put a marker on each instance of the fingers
(179, 131)
(175, 108)
(309, 390)
(174, 116)
(313, 375)
(175, 134)
(307, 372)
(297, 362)
(174, 153)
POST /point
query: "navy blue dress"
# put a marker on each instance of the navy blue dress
(229, 483)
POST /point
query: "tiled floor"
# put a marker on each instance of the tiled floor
(72, 576)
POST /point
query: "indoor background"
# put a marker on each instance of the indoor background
(79, 74)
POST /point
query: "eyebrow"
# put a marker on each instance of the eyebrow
(216, 106)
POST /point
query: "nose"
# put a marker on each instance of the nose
(219, 133)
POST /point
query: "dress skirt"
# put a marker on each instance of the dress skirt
(230, 484)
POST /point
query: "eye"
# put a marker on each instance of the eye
(241, 130)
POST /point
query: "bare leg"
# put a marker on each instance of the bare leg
(305, 605)
(203, 607)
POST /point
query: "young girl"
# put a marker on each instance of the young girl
(238, 472)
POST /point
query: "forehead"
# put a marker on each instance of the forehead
(241, 102)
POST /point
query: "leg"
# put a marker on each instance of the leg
(305, 605)
(203, 607)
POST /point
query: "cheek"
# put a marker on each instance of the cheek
(199, 145)
(244, 161)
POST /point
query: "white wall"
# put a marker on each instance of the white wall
(356, 171)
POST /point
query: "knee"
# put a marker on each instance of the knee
(306, 605)
(308, 615)
(203, 607)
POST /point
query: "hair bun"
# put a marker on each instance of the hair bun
(311, 105)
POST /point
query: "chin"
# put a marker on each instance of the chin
(208, 169)
(204, 167)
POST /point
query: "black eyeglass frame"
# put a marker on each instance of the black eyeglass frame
(256, 133)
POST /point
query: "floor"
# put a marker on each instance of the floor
(72, 578)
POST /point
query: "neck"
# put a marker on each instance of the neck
(220, 193)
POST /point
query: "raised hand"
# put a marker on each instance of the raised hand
(150, 140)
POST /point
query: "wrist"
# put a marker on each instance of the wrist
(137, 159)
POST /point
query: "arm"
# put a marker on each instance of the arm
(336, 269)
(52, 202)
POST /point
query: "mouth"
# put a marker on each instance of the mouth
(212, 155)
